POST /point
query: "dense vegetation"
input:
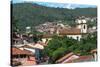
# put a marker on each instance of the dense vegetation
(30, 14)
(59, 46)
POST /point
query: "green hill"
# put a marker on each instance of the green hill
(30, 14)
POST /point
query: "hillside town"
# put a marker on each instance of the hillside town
(27, 48)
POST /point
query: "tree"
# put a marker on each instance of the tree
(58, 53)
(59, 46)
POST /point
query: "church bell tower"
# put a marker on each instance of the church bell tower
(82, 24)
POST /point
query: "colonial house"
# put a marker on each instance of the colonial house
(23, 43)
(22, 57)
(35, 48)
(72, 32)
(76, 32)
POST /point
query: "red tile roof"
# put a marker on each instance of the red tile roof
(70, 31)
(65, 57)
(19, 51)
(84, 58)
(31, 61)
(47, 36)
(78, 59)
(26, 61)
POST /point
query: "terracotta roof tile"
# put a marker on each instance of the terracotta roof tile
(65, 57)
(70, 31)
(47, 36)
(19, 51)
(80, 59)
(84, 58)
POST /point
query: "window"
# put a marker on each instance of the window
(17, 56)
(77, 38)
(23, 56)
(84, 27)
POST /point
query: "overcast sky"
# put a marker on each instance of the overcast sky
(60, 5)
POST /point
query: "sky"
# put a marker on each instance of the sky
(60, 5)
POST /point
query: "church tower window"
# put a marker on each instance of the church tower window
(84, 26)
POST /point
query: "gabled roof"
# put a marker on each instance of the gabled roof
(16, 51)
(64, 57)
(68, 58)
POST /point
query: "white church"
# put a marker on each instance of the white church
(75, 33)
